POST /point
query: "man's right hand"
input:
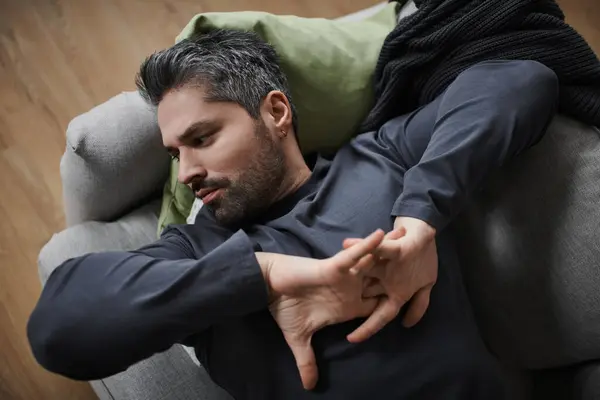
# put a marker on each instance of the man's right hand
(307, 295)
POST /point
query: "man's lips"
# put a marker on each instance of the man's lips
(207, 195)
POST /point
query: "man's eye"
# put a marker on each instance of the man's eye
(198, 141)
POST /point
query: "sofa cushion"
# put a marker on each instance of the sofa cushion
(530, 249)
(329, 65)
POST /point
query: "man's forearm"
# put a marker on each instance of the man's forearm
(100, 313)
(491, 113)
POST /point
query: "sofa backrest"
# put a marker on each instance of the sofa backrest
(531, 254)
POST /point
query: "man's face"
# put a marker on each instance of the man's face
(230, 160)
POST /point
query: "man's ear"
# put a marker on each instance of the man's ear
(279, 112)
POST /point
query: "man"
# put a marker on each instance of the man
(261, 279)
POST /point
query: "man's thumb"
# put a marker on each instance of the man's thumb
(305, 360)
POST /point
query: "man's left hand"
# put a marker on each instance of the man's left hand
(407, 270)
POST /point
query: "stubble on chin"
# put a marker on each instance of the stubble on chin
(227, 211)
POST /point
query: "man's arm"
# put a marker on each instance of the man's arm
(489, 114)
(100, 313)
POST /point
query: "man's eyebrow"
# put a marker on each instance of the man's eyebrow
(195, 127)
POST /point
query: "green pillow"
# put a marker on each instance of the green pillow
(329, 65)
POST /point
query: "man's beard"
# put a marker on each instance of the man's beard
(252, 192)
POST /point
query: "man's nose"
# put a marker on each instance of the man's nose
(189, 169)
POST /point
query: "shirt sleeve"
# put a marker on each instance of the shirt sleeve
(492, 112)
(100, 313)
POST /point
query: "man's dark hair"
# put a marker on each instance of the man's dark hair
(232, 66)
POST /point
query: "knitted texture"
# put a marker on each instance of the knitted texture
(426, 52)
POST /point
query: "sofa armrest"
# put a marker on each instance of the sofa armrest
(132, 231)
(529, 250)
(164, 376)
(171, 375)
(114, 160)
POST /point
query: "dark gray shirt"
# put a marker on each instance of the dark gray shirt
(201, 284)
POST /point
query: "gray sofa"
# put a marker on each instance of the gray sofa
(528, 246)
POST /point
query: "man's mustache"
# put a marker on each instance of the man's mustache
(210, 184)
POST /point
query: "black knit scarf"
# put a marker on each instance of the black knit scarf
(427, 50)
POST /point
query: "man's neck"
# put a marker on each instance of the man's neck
(298, 176)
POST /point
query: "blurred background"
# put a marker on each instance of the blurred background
(58, 59)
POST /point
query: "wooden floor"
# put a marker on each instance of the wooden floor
(59, 58)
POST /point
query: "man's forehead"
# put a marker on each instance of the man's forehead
(179, 110)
